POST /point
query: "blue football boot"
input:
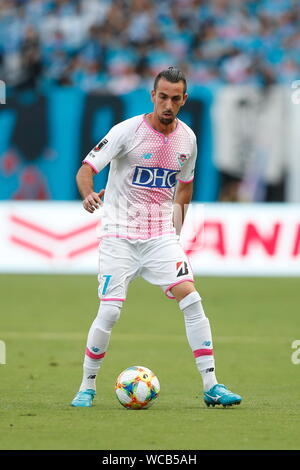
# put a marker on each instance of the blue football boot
(84, 398)
(220, 395)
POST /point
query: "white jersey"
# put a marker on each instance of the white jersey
(144, 168)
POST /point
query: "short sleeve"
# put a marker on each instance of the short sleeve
(186, 175)
(106, 150)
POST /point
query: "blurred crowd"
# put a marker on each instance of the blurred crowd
(117, 45)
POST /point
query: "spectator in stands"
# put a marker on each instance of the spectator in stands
(221, 41)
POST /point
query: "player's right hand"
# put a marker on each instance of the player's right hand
(93, 201)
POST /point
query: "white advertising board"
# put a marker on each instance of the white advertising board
(220, 239)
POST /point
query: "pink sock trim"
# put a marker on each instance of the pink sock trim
(203, 352)
(92, 355)
(121, 300)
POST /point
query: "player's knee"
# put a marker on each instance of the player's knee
(182, 290)
(108, 314)
(190, 299)
(192, 307)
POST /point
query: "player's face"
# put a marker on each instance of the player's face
(168, 99)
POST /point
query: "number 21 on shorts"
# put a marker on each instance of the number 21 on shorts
(105, 279)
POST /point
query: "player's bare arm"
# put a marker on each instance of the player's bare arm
(84, 180)
(183, 197)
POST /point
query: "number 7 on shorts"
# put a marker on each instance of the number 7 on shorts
(106, 278)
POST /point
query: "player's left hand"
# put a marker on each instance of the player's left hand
(93, 201)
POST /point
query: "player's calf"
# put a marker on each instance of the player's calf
(96, 348)
(199, 337)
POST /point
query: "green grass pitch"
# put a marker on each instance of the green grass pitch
(44, 323)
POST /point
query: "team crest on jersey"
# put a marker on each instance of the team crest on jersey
(182, 158)
(100, 145)
(182, 268)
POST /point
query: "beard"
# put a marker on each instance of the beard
(166, 120)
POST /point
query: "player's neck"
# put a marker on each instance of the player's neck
(155, 123)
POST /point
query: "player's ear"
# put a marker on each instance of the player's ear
(152, 95)
(185, 97)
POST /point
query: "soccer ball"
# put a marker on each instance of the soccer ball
(137, 388)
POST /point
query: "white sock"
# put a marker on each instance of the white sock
(98, 341)
(199, 337)
(96, 348)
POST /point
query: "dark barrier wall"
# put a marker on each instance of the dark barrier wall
(44, 138)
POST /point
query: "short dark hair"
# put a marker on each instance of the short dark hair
(173, 75)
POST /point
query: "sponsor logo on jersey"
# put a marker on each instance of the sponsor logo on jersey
(182, 158)
(154, 177)
(182, 268)
(100, 145)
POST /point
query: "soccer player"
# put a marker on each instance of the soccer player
(151, 156)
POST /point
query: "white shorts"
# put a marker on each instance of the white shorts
(160, 261)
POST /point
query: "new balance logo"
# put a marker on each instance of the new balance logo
(91, 377)
(154, 177)
(147, 156)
